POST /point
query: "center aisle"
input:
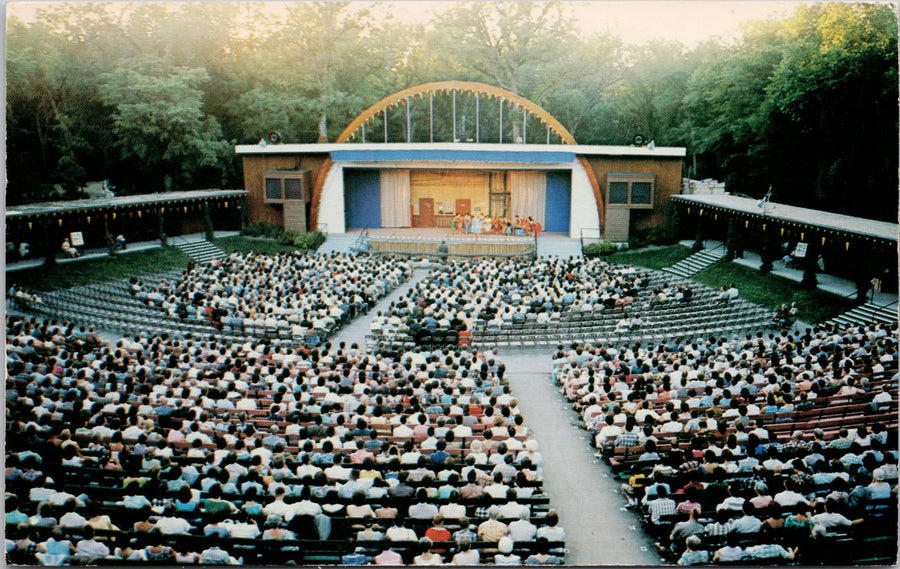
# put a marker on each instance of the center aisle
(357, 331)
(580, 487)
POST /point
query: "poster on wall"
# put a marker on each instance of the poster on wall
(76, 238)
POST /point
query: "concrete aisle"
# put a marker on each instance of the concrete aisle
(599, 531)
(357, 331)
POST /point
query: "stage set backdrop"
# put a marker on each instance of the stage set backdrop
(498, 154)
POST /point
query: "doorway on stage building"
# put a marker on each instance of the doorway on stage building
(426, 213)
(463, 207)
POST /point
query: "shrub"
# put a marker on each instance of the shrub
(601, 248)
(309, 241)
(640, 238)
(262, 229)
(257, 229)
(662, 236)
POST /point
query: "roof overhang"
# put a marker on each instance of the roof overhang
(797, 215)
(60, 207)
(463, 149)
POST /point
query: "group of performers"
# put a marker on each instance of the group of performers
(466, 223)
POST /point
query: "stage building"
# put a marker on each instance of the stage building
(528, 165)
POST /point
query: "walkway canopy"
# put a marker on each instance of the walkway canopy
(139, 218)
(824, 222)
(850, 247)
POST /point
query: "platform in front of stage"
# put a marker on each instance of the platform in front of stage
(426, 241)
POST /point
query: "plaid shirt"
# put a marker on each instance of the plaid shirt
(626, 440)
(462, 534)
(766, 551)
(661, 507)
(481, 512)
(717, 529)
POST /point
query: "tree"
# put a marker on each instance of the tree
(515, 45)
(163, 136)
(323, 49)
(579, 99)
(834, 99)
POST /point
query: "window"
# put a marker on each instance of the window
(618, 192)
(273, 188)
(641, 192)
(281, 186)
(632, 190)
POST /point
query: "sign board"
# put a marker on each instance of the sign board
(800, 251)
(76, 238)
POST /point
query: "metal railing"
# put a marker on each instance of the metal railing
(582, 236)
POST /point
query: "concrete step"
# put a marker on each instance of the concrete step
(864, 315)
(695, 263)
(201, 251)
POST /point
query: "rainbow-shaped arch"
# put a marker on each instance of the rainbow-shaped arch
(450, 86)
(446, 87)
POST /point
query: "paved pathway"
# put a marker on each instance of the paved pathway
(599, 531)
(357, 331)
(826, 282)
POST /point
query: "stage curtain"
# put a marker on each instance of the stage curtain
(395, 198)
(529, 194)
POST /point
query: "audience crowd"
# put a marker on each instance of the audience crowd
(202, 449)
(748, 449)
(307, 293)
(199, 450)
(498, 294)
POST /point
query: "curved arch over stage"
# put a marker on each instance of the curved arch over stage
(450, 86)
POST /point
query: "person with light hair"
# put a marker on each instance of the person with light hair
(693, 555)
(505, 556)
(492, 529)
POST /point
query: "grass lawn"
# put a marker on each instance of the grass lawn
(651, 258)
(241, 244)
(772, 291)
(95, 270)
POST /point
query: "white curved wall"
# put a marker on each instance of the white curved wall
(584, 207)
(331, 204)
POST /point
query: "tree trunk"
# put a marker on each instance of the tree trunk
(810, 265)
(698, 240)
(323, 128)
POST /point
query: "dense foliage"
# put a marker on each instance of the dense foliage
(152, 95)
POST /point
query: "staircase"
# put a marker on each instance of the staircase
(695, 263)
(200, 251)
(866, 314)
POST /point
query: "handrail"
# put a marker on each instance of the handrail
(591, 229)
(320, 226)
(884, 305)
